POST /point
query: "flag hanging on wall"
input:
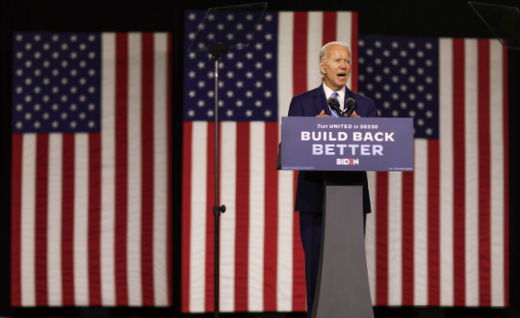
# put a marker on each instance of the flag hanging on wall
(91, 188)
(436, 237)
(439, 236)
(261, 260)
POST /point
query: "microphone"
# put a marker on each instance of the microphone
(351, 106)
(334, 105)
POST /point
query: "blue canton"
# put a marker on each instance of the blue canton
(56, 82)
(247, 77)
(401, 75)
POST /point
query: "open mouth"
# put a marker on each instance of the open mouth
(341, 74)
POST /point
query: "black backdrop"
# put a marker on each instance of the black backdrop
(396, 18)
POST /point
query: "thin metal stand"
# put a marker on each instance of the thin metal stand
(219, 44)
(216, 50)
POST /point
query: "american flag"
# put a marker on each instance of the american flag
(90, 169)
(261, 259)
(439, 236)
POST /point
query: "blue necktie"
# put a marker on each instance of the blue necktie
(332, 111)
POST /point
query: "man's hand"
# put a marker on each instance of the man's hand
(322, 114)
(355, 115)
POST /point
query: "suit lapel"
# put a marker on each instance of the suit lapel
(348, 94)
(320, 101)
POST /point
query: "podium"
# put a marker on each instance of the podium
(331, 145)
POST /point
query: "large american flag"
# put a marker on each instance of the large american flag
(261, 260)
(437, 236)
(91, 172)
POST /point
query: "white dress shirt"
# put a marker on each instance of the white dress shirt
(341, 95)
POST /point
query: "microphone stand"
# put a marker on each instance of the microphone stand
(216, 50)
(199, 43)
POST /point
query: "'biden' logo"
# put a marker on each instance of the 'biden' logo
(347, 161)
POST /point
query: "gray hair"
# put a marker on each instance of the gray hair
(323, 49)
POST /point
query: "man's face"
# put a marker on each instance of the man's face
(336, 67)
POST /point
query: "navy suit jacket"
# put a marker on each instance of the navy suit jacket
(309, 192)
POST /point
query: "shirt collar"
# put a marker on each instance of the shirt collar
(341, 94)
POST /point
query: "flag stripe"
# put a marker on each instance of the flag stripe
(147, 169)
(80, 221)
(313, 44)
(27, 233)
(186, 213)
(407, 239)
(121, 164)
(346, 31)
(228, 157)
(134, 143)
(54, 221)
(40, 262)
(94, 221)
(300, 52)
(285, 65)
(329, 33)
(160, 122)
(16, 218)
(287, 269)
(395, 265)
(210, 210)
(471, 167)
(256, 202)
(420, 222)
(446, 141)
(198, 217)
(242, 217)
(210, 217)
(382, 239)
(459, 192)
(299, 292)
(271, 213)
(302, 78)
(67, 236)
(433, 223)
(286, 273)
(497, 177)
(484, 173)
(354, 48)
(108, 202)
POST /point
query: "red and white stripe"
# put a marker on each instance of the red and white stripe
(438, 237)
(261, 258)
(90, 212)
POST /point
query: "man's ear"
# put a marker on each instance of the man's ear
(322, 68)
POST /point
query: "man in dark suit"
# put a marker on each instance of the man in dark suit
(335, 68)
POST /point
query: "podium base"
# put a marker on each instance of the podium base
(343, 289)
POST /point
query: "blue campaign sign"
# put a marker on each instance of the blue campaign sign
(327, 144)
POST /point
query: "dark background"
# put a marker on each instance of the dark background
(432, 18)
